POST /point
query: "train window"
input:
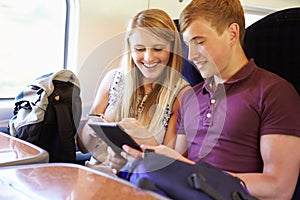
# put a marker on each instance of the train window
(253, 14)
(34, 40)
(252, 18)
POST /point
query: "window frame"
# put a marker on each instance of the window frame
(71, 34)
(69, 58)
(258, 11)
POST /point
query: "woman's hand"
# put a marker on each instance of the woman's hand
(130, 153)
(114, 161)
(87, 138)
(137, 131)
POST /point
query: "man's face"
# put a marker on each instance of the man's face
(208, 50)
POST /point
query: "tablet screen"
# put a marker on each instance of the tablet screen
(114, 136)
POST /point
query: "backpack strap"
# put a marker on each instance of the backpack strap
(66, 132)
(198, 182)
(147, 184)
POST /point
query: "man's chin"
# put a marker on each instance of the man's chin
(204, 75)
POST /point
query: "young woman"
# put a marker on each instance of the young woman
(147, 87)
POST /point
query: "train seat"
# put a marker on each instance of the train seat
(274, 43)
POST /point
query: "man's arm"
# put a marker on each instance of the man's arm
(281, 157)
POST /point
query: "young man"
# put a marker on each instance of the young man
(242, 118)
(248, 118)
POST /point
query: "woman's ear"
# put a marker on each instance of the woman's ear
(234, 33)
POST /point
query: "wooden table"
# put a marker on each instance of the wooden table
(14, 151)
(65, 181)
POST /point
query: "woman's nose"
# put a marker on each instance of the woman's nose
(148, 55)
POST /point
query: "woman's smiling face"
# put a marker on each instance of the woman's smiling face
(149, 53)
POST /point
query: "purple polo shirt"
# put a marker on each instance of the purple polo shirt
(224, 128)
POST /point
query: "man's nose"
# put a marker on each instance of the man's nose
(192, 53)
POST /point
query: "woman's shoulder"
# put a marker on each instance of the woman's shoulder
(110, 76)
(116, 86)
(182, 86)
(111, 73)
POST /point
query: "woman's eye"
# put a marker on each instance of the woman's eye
(139, 49)
(158, 49)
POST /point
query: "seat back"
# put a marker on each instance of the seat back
(274, 43)
(189, 71)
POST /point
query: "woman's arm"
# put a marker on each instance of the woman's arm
(170, 135)
(87, 139)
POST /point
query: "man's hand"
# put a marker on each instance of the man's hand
(164, 150)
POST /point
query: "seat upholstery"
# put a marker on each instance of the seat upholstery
(189, 71)
(274, 43)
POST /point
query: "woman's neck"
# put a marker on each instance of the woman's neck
(148, 88)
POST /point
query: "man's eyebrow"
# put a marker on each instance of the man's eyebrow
(194, 38)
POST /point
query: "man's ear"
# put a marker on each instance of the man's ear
(234, 33)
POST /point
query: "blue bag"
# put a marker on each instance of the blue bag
(179, 180)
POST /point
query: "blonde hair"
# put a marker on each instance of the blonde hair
(220, 13)
(158, 23)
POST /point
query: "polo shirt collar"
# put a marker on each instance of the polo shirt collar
(242, 74)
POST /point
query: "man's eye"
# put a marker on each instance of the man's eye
(199, 42)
